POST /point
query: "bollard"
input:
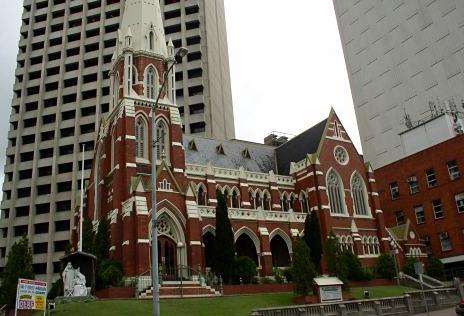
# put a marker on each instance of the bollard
(378, 308)
(409, 305)
(435, 299)
(342, 310)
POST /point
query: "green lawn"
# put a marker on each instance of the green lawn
(222, 306)
(380, 291)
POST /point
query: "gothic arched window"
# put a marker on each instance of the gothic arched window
(285, 202)
(358, 191)
(266, 202)
(201, 195)
(162, 140)
(335, 192)
(150, 83)
(304, 202)
(235, 202)
(258, 200)
(141, 131)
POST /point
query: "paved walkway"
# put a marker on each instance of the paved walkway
(445, 312)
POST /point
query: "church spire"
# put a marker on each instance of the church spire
(142, 21)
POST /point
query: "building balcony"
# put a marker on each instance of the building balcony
(249, 214)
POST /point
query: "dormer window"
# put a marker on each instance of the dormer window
(192, 145)
(246, 153)
(220, 150)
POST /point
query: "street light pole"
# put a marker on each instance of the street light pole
(154, 156)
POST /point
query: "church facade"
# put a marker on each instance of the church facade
(270, 188)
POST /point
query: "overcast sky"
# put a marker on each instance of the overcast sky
(286, 63)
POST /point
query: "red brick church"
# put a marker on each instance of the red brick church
(270, 188)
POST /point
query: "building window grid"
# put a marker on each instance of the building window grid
(438, 209)
(453, 170)
(420, 214)
(459, 198)
(445, 241)
(431, 178)
(413, 185)
(394, 191)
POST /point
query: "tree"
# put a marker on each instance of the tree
(19, 265)
(349, 268)
(224, 244)
(88, 236)
(331, 253)
(103, 240)
(312, 237)
(435, 268)
(303, 271)
(385, 266)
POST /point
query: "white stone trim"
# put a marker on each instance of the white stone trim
(321, 188)
(371, 180)
(244, 185)
(263, 231)
(210, 181)
(274, 188)
(379, 211)
(113, 248)
(178, 170)
(212, 200)
(142, 160)
(131, 165)
(143, 241)
(375, 194)
(130, 137)
(177, 144)
(125, 243)
(266, 253)
(195, 243)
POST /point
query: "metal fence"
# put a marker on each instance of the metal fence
(408, 304)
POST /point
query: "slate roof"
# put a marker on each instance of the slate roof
(298, 147)
(261, 156)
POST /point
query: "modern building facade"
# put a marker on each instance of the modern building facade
(404, 61)
(62, 92)
(427, 190)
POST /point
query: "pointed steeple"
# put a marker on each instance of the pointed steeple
(142, 21)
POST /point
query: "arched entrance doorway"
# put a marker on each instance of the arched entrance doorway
(172, 250)
(280, 253)
(167, 254)
(245, 247)
(209, 245)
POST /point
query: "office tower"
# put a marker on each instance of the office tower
(61, 93)
(404, 62)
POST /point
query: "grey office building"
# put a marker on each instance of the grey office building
(405, 62)
(62, 92)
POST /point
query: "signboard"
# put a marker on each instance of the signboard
(31, 295)
(332, 293)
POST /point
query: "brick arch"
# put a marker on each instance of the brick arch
(247, 231)
(285, 237)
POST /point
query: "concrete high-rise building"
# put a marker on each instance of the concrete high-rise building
(62, 92)
(405, 64)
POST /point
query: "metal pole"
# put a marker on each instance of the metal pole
(154, 232)
(396, 267)
(423, 294)
(81, 208)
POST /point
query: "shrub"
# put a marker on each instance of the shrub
(245, 270)
(266, 280)
(408, 267)
(278, 275)
(385, 267)
(353, 269)
(302, 268)
(288, 274)
(110, 273)
(435, 268)
(332, 253)
(56, 290)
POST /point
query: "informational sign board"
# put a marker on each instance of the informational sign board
(331, 293)
(31, 295)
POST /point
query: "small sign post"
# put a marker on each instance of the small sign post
(31, 295)
(329, 289)
(419, 269)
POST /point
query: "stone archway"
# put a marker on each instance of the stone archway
(245, 247)
(209, 240)
(171, 236)
(280, 252)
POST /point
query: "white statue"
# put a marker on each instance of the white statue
(68, 280)
(79, 284)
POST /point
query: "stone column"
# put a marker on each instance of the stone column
(266, 255)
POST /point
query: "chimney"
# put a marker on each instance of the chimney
(273, 140)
